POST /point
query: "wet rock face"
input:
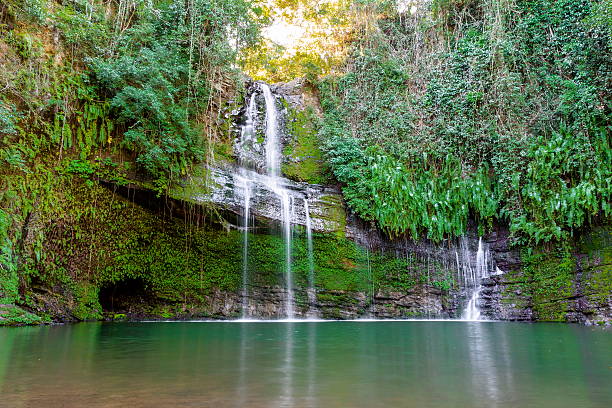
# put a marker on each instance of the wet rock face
(420, 301)
(502, 299)
(293, 93)
(269, 303)
(326, 208)
(231, 185)
(249, 124)
(588, 299)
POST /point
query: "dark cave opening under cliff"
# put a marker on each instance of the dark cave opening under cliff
(123, 296)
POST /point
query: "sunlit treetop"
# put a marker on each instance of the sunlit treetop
(311, 37)
(304, 38)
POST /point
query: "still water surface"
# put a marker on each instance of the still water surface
(306, 364)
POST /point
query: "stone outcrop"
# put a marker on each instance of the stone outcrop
(269, 303)
(223, 187)
(519, 294)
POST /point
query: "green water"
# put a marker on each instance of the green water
(326, 364)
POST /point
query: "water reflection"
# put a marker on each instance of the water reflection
(358, 364)
(311, 393)
(491, 373)
(286, 396)
(241, 388)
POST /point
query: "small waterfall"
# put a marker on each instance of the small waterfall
(472, 312)
(370, 312)
(312, 295)
(248, 130)
(473, 278)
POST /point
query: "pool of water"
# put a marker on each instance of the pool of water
(306, 364)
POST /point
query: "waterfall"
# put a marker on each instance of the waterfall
(243, 181)
(287, 236)
(273, 168)
(472, 312)
(258, 176)
(312, 296)
(473, 284)
(248, 130)
(370, 312)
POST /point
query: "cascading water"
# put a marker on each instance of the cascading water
(242, 181)
(258, 189)
(288, 271)
(259, 175)
(272, 142)
(273, 168)
(247, 133)
(472, 279)
(248, 184)
(312, 297)
(245, 184)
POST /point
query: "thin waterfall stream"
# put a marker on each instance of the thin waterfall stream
(242, 181)
(245, 248)
(312, 296)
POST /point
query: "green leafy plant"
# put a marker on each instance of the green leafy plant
(501, 114)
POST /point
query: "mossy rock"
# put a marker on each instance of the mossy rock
(596, 264)
(304, 158)
(11, 315)
(548, 276)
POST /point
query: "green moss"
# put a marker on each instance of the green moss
(86, 237)
(596, 264)
(548, 275)
(337, 298)
(305, 159)
(11, 315)
(87, 302)
(334, 214)
(195, 185)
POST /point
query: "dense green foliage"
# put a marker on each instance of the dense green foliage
(8, 271)
(149, 78)
(162, 75)
(94, 90)
(483, 108)
(413, 199)
(467, 110)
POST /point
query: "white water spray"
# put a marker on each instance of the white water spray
(245, 248)
(472, 310)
